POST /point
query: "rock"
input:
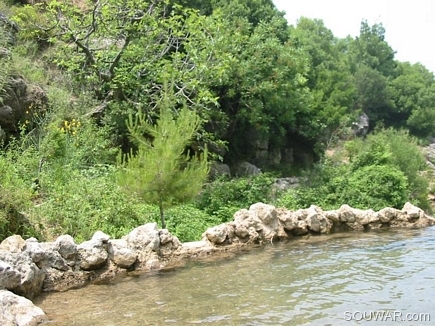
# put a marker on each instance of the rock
(361, 126)
(153, 262)
(34, 250)
(317, 221)
(18, 311)
(347, 214)
(219, 169)
(100, 236)
(241, 216)
(2, 135)
(333, 216)
(67, 248)
(274, 156)
(364, 217)
(284, 184)
(219, 234)
(9, 277)
(413, 212)
(144, 237)
(245, 169)
(265, 213)
(387, 214)
(268, 221)
(52, 258)
(168, 242)
(9, 27)
(19, 96)
(120, 254)
(287, 219)
(31, 277)
(165, 236)
(14, 243)
(92, 255)
(294, 221)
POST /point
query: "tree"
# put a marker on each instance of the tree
(371, 49)
(161, 171)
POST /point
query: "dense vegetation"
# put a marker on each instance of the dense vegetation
(130, 98)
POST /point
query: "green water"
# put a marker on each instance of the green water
(320, 281)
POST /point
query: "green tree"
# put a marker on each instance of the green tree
(161, 171)
(413, 92)
(329, 79)
(371, 49)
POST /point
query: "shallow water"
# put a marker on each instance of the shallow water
(373, 278)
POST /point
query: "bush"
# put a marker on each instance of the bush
(82, 202)
(384, 170)
(222, 198)
(188, 223)
(398, 149)
(16, 194)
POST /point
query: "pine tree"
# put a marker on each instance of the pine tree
(161, 171)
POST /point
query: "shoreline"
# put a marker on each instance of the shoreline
(28, 267)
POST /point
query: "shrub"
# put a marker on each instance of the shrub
(383, 170)
(85, 201)
(222, 198)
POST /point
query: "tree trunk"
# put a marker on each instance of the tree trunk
(162, 216)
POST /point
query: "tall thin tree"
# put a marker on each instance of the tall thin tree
(161, 170)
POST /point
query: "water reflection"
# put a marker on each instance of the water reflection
(310, 282)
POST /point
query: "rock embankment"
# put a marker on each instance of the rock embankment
(29, 267)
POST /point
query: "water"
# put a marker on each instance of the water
(376, 278)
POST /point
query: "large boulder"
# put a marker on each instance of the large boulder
(93, 253)
(20, 266)
(246, 169)
(67, 248)
(18, 311)
(220, 233)
(121, 254)
(412, 212)
(168, 242)
(387, 214)
(219, 169)
(144, 237)
(317, 221)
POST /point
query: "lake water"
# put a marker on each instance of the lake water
(371, 278)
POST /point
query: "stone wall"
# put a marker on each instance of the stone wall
(28, 267)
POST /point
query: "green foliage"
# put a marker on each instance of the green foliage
(160, 171)
(398, 149)
(81, 202)
(188, 223)
(222, 198)
(15, 197)
(374, 186)
(384, 170)
(4, 62)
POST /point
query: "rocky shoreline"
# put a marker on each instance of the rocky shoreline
(29, 267)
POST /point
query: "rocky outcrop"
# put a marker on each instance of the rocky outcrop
(28, 267)
(21, 100)
(264, 223)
